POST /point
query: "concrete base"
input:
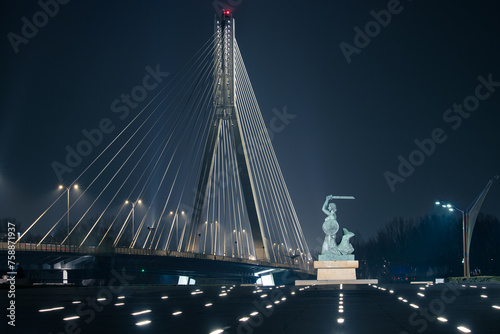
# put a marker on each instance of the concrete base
(336, 272)
(332, 282)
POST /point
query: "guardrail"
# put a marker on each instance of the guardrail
(50, 248)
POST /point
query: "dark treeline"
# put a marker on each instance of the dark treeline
(423, 248)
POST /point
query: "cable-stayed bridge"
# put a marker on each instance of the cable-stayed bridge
(193, 174)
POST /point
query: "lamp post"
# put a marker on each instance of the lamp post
(75, 186)
(133, 213)
(206, 232)
(469, 216)
(183, 229)
(465, 228)
(176, 222)
(215, 237)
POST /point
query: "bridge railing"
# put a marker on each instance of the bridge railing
(21, 246)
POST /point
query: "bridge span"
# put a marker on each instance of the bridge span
(88, 265)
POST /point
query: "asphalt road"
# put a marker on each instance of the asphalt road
(354, 309)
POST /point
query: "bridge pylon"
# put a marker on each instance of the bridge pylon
(226, 127)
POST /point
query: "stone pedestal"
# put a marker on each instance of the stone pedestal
(336, 272)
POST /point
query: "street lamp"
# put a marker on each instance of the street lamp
(465, 227)
(215, 237)
(176, 222)
(206, 232)
(75, 186)
(133, 212)
(469, 216)
(183, 230)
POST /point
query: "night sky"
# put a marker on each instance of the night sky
(356, 112)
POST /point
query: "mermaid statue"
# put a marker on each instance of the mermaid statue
(330, 250)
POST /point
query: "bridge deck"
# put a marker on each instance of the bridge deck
(149, 266)
(57, 248)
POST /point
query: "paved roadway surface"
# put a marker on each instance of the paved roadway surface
(365, 309)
